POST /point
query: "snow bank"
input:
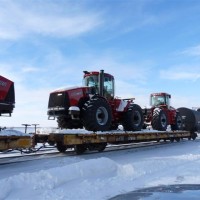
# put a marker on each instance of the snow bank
(46, 180)
(94, 177)
(47, 184)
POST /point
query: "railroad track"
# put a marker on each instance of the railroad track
(53, 152)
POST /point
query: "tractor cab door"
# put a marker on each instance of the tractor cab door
(108, 87)
(101, 83)
(167, 99)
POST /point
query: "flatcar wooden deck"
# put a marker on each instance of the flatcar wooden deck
(15, 142)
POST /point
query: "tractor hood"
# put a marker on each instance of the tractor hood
(66, 97)
(65, 89)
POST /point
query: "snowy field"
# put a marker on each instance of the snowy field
(102, 175)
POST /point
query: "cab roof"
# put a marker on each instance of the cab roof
(161, 94)
(86, 73)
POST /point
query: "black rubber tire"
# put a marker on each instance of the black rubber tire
(178, 123)
(96, 115)
(101, 147)
(133, 118)
(114, 127)
(61, 147)
(159, 120)
(144, 126)
(80, 149)
(193, 135)
(65, 122)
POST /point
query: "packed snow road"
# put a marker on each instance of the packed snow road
(102, 175)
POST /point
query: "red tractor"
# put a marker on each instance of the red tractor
(94, 106)
(161, 114)
(7, 96)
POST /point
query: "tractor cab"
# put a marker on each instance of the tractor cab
(160, 99)
(100, 82)
(161, 114)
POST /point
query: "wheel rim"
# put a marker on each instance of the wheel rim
(163, 120)
(102, 115)
(137, 118)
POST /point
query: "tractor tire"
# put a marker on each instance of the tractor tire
(96, 115)
(65, 122)
(114, 127)
(178, 123)
(159, 120)
(133, 118)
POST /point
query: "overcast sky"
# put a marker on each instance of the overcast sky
(148, 45)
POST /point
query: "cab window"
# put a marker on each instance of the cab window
(109, 86)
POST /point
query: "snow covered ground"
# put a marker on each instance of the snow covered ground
(103, 175)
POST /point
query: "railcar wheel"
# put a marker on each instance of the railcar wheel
(159, 120)
(102, 147)
(193, 136)
(61, 147)
(133, 118)
(80, 149)
(177, 139)
(96, 115)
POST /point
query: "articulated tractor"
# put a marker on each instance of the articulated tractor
(94, 106)
(161, 114)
